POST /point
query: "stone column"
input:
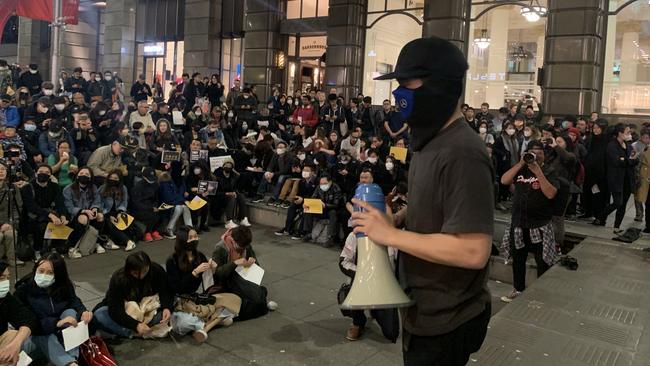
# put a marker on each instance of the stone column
(346, 34)
(29, 46)
(202, 36)
(574, 56)
(79, 42)
(449, 20)
(119, 40)
(262, 43)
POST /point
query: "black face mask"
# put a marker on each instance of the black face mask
(85, 180)
(227, 169)
(434, 103)
(193, 245)
(112, 183)
(42, 177)
(196, 127)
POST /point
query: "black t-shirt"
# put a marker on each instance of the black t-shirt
(450, 191)
(530, 207)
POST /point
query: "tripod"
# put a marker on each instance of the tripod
(9, 193)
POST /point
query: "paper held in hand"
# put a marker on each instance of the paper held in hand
(399, 153)
(165, 206)
(123, 221)
(75, 336)
(254, 273)
(196, 203)
(313, 206)
(177, 116)
(23, 359)
(218, 161)
(169, 156)
(57, 232)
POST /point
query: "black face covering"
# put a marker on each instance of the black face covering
(434, 103)
(42, 177)
(193, 245)
(84, 180)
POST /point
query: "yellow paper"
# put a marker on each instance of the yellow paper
(120, 224)
(399, 153)
(57, 232)
(196, 203)
(313, 206)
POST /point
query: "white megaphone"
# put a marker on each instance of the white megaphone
(374, 285)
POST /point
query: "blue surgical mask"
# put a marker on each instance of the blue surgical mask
(43, 280)
(4, 288)
(30, 127)
(404, 98)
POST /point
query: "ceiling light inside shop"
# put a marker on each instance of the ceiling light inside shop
(533, 13)
(482, 42)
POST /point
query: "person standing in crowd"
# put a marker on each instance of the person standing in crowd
(214, 90)
(471, 119)
(109, 86)
(50, 294)
(76, 83)
(594, 192)
(31, 79)
(530, 230)
(82, 203)
(233, 94)
(621, 160)
(95, 88)
(484, 113)
(140, 90)
(483, 133)
(138, 283)
(305, 115)
(443, 253)
(640, 146)
(13, 312)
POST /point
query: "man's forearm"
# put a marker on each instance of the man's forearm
(547, 188)
(509, 176)
(469, 251)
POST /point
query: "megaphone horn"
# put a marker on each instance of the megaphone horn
(374, 285)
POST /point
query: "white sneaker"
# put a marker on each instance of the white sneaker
(100, 249)
(129, 246)
(245, 222)
(231, 224)
(111, 245)
(74, 253)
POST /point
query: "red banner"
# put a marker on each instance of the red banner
(42, 10)
(7, 9)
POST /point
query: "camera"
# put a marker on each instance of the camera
(530, 157)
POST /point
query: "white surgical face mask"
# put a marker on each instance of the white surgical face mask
(4, 288)
(108, 78)
(59, 107)
(510, 131)
(43, 280)
(230, 114)
(198, 112)
(372, 160)
(302, 157)
(482, 130)
(628, 137)
(48, 92)
(281, 150)
(197, 171)
(528, 133)
(325, 187)
(101, 113)
(98, 78)
(305, 175)
(33, 71)
(389, 166)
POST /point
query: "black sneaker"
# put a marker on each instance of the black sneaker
(597, 222)
(281, 232)
(258, 199)
(329, 244)
(306, 238)
(270, 202)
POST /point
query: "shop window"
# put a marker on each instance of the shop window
(626, 86)
(231, 68)
(505, 50)
(307, 8)
(10, 32)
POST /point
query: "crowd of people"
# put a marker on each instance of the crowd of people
(82, 156)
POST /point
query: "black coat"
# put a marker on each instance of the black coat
(30, 81)
(144, 197)
(620, 168)
(595, 162)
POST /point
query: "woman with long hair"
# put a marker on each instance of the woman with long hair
(114, 199)
(214, 90)
(83, 204)
(163, 139)
(506, 150)
(50, 294)
(139, 280)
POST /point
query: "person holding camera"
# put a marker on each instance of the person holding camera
(535, 187)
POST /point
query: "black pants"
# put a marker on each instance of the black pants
(78, 230)
(619, 204)
(451, 349)
(200, 216)
(387, 319)
(519, 257)
(292, 212)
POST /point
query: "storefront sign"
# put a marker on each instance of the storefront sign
(493, 76)
(154, 49)
(313, 46)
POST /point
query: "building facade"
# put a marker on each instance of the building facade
(575, 56)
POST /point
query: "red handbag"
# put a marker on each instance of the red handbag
(94, 352)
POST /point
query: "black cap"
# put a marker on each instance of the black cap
(58, 100)
(78, 69)
(77, 109)
(429, 57)
(332, 97)
(44, 101)
(55, 126)
(148, 174)
(535, 144)
(33, 66)
(520, 117)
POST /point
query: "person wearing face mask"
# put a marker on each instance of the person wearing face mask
(374, 163)
(96, 87)
(196, 115)
(82, 203)
(530, 134)
(103, 124)
(47, 91)
(172, 191)
(199, 170)
(245, 106)
(214, 90)
(306, 186)
(345, 173)
(13, 312)
(144, 204)
(185, 269)
(306, 114)
(50, 294)
(29, 135)
(212, 130)
(594, 192)
(139, 279)
(621, 161)
(569, 122)
(487, 138)
(44, 203)
(48, 142)
(85, 139)
(8, 113)
(278, 170)
(108, 86)
(290, 186)
(114, 199)
(61, 112)
(40, 112)
(6, 80)
(235, 249)
(12, 138)
(329, 193)
(228, 200)
(64, 164)
(506, 149)
(392, 175)
(76, 83)
(443, 253)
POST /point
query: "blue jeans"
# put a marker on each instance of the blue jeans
(50, 347)
(109, 325)
(183, 323)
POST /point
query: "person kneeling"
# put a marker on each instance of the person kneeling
(196, 311)
(49, 293)
(138, 302)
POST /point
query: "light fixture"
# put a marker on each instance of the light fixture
(533, 13)
(483, 42)
(372, 53)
